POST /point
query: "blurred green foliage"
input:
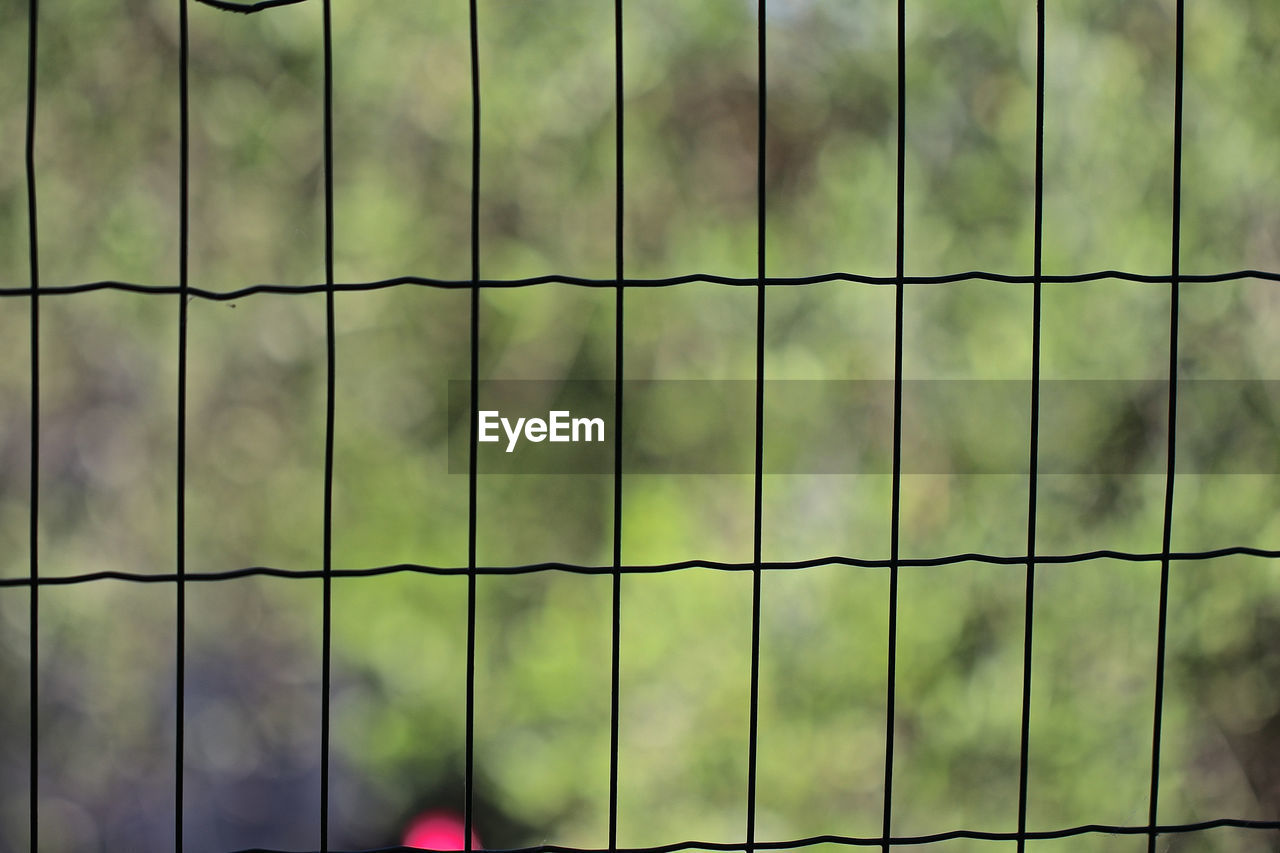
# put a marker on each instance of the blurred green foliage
(107, 165)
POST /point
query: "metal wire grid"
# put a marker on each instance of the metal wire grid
(180, 577)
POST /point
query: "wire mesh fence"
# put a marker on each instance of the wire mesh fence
(1030, 558)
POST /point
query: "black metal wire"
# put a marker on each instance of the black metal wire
(1175, 266)
(1029, 610)
(248, 8)
(690, 278)
(619, 221)
(753, 726)
(895, 497)
(875, 841)
(648, 569)
(33, 544)
(184, 245)
(331, 366)
(468, 816)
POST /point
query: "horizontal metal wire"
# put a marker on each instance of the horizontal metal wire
(642, 569)
(855, 841)
(248, 8)
(692, 278)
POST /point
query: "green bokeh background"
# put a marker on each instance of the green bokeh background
(107, 165)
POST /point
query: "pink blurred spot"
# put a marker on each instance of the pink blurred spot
(439, 831)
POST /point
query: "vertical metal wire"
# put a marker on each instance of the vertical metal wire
(33, 236)
(618, 344)
(895, 499)
(1033, 469)
(330, 393)
(756, 572)
(1175, 265)
(468, 817)
(184, 232)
